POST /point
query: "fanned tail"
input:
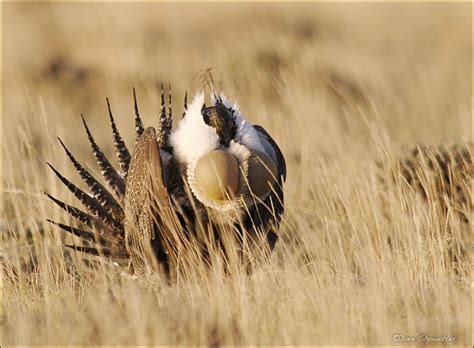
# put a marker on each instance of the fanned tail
(104, 197)
(113, 179)
(76, 213)
(123, 155)
(86, 235)
(166, 118)
(89, 202)
(101, 225)
(138, 121)
(185, 103)
(91, 250)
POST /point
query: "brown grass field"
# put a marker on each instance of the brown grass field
(344, 88)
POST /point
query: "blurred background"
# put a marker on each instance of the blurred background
(324, 78)
(337, 85)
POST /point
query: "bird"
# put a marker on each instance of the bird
(441, 176)
(213, 171)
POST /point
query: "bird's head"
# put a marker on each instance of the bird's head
(222, 120)
(223, 154)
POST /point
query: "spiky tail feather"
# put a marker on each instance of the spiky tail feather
(102, 227)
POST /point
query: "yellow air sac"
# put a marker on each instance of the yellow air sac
(261, 173)
(217, 175)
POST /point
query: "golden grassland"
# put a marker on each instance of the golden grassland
(341, 87)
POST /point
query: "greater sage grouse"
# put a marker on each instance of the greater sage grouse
(215, 170)
(442, 177)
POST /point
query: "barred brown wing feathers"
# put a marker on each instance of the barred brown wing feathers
(144, 181)
(135, 219)
(104, 229)
(135, 201)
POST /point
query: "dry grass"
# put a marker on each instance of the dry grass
(339, 86)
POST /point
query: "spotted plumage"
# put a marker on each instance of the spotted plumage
(441, 175)
(123, 155)
(222, 120)
(155, 193)
(111, 176)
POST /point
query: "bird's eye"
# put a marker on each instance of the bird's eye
(205, 115)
